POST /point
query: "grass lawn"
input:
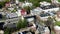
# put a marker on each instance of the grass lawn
(57, 23)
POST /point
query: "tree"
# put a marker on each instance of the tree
(58, 0)
(7, 31)
(50, 24)
(6, 0)
(35, 2)
(2, 4)
(27, 8)
(21, 0)
(22, 24)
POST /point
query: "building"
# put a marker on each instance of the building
(1, 25)
(1, 16)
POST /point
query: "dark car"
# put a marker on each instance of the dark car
(1, 6)
(24, 32)
(1, 16)
(1, 25)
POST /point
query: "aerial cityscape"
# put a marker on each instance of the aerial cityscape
(29, 16)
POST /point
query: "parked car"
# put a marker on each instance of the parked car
(0, 6)
(1, 16)
(1, 25)
(25, 32)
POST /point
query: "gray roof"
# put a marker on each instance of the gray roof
(10, 25)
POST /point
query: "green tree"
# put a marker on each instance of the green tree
(58, 0)
(7, 31)
(27, 8)
(21, 24)
(2, 4)
(35, 2)
(6, 0)
(21, 0)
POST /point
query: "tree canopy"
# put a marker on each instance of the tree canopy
(21, 0)
(59, 0)
(21, 23)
